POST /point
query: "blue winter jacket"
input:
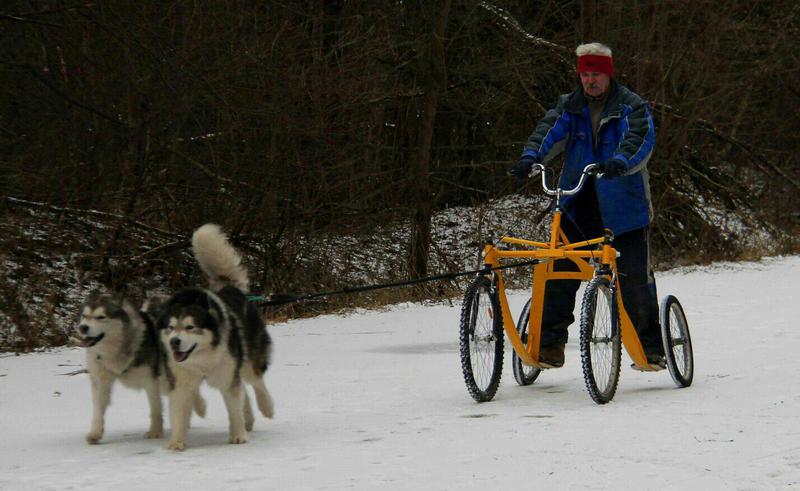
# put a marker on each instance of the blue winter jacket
(626, 132)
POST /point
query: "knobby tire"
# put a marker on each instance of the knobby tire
(677, 342)
(600, 341)
(481, 340)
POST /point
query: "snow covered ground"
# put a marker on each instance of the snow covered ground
(375, 399)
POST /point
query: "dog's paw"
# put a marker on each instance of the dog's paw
(237, 439)
(154, 433)
(176, 445)
(265, 404)
(93, 437)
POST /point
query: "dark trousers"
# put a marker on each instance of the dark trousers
(636, 278)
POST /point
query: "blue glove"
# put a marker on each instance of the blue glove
(522, 169)
(612, 168)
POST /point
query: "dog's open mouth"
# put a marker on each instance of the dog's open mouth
(182, 355)
(89, 341)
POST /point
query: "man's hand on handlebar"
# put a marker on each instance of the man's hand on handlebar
(525, 168)
(609, 169)
(522, 168)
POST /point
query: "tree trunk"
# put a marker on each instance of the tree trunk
(432, 78)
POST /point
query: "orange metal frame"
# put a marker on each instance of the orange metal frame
(558, 249)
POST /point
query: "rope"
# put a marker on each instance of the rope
(282, 299)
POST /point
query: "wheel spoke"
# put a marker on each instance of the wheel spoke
(481, 340)
(601, 352)
(678, 341)
(481, 347)
(600, 344)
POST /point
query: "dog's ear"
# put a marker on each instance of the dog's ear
(115, 307)
(162, 319)
(119, 302)
(166, 308)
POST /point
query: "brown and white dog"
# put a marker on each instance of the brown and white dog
(215, 334)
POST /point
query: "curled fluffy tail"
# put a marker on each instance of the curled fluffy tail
(221, 263)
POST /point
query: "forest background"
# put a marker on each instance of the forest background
(317, 132)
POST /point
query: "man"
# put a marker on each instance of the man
(605, 123)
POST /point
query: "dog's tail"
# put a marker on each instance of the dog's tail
(218, 259)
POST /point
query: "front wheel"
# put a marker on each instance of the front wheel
(677, 342)
(481, 340)
(524, 374)
(600, 344)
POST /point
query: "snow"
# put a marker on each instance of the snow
(375, 399)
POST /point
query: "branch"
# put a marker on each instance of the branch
(50, 11)
(78, 212)
(178, 244)
(454, 184)
(25, 16)
(17, 18)
(73, 101)
(512, 24)
(708, 127)
(208, 172)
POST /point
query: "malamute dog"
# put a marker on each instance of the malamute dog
(122, 344)
(216, 335)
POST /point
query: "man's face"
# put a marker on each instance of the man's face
(595, 83)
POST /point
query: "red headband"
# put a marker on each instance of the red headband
(596, 63)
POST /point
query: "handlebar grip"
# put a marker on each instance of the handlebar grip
(592, 169)
(535, 170)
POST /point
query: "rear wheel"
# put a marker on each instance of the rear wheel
(481, 340)
(677, 342)
(600, 342)
(524, 374)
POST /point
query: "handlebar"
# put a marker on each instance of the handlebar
(540, 169)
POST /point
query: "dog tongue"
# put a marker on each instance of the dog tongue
(180, 355)
(86, 342)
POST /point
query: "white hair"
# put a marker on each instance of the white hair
(593, 49)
